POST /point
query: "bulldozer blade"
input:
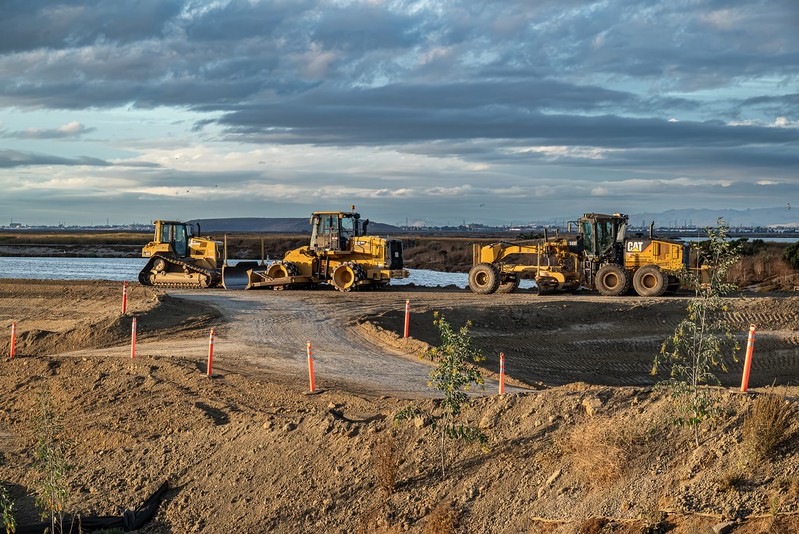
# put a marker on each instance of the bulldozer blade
(237, 276)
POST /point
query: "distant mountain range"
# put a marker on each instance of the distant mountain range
(678, 218)
(286, 225)
(762, 217)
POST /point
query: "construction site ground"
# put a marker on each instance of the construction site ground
(580, 442)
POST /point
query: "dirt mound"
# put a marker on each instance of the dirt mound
(245, 453)
(263, 457)
(64, 316)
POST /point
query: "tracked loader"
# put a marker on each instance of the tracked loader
(600, 256)
(340, 254)
(179, 258)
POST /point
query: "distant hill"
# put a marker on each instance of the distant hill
(287, 225)
(778, 216)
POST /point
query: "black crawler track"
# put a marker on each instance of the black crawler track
(144, 278)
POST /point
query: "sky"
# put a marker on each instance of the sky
(426, 112)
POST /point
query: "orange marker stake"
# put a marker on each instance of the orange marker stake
(124, 298)
(501, 373)
(750, 348)
(407, 316)
(133, 339)
(310, 367)
(211, 352)
(13, 340)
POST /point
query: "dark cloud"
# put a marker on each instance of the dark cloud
(34, 24)
(14, 158)
(458, 112)
(209, 55)
(551, 97)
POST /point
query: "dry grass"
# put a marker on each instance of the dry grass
(275, 246)
(766, 427)
(75, 238)
(599, 451)
(385, 459)
(442, 520)
(696, 526)
(454, 255)
(765, 266)
(784, 493)
(731, 479)
(789, 488)
(374, 521)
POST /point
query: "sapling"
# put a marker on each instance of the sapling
(454, 375)
(51, 462)
(703, 341)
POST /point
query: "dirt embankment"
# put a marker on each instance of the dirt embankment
(60, 316)
(249, 452)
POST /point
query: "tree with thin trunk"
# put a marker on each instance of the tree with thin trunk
(454, 375)
(702, 342)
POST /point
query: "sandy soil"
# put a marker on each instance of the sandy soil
(248, 451)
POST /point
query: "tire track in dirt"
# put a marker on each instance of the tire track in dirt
(613, 341)
(271, 329)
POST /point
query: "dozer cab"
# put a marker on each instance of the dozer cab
(179, 258)
(599, 257)
(340, 254)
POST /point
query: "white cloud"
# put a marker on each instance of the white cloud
(73, 129)
(560, 152)
(532, 104)
(723, 19)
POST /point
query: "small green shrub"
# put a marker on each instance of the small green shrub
(792, 255)
(746, 247)
(7, 511)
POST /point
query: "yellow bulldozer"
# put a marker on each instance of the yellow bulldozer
(180, 258)
(601, 256)
(340, 254)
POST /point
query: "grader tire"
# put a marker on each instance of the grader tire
(509, 286)
(483, 279)
(612, 280)
(650, 281)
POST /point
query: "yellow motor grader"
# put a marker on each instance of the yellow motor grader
(340, 254)
(599, 257)
(179, 258)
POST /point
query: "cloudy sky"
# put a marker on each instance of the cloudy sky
(429, 111)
